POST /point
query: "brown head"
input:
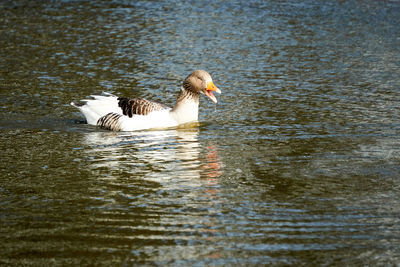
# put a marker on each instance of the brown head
(200, 81)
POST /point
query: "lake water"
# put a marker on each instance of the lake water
(298, 164)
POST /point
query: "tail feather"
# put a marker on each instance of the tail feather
(97, 107)
(74, 104)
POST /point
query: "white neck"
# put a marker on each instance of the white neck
(186, 108)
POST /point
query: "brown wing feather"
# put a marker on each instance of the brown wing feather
(110, 122)
(138, 106)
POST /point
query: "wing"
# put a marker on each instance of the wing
(111, 121)
(138, 106)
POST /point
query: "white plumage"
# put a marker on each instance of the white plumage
(99, 106)
(129, 114)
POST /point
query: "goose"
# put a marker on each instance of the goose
(131, 114)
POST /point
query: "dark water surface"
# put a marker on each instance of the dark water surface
(299, 163)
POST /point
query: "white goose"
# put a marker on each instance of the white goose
(129, 114)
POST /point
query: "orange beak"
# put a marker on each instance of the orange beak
(209, 91)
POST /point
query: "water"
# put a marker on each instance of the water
(297, 164)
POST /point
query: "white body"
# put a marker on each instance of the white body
(101, 105)
(155, 119)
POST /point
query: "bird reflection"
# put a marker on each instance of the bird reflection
(167, 179)
(213, 164)
(171, 157)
